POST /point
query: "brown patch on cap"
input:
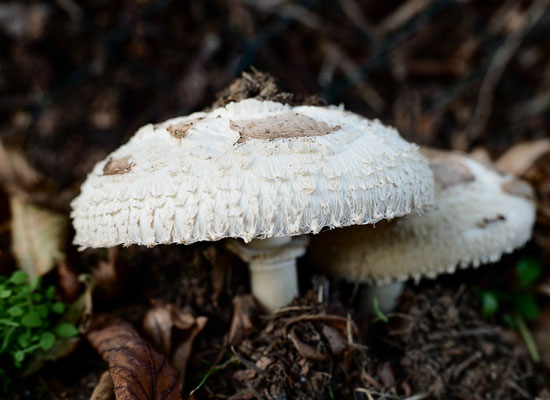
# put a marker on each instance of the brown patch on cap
(488, 221)
(118, 166)
(450, 172)
(288, 125)
(180, 130)
(519, 188)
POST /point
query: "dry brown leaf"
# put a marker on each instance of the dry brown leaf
(158, 324)
(386, 375)
(15, 170)
(521, 157)
(68, 281)
(182, 319)
(38, 236)
(336, 340)
(104, 389)
(244, 308)
(183, 351)
(305, 349)
(542, 337)
(18, 177)
(138, 371)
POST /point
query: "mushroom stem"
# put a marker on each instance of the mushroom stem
(385, 295)
(272, 264)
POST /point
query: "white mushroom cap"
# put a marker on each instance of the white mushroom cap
(480, 215)
(252, 169)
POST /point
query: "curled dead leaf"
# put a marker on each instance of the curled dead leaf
(158, 324)
(104, 389)
(38, 236)
(305, 349)
(137, 370)
(183, 351)
(19, 178)
(337, 341)
(244, 309)
(521, 157)
(15, 170)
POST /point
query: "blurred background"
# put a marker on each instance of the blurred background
(77, 78)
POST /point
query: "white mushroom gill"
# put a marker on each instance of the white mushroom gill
(251, 170)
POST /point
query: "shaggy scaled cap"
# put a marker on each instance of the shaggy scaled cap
(252, 169)
(480, 215)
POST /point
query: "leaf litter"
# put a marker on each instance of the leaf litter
(137, 370)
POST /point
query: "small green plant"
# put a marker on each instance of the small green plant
(518, 304)
(29, 318)
(378, 312)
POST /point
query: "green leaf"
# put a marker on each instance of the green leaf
(46, 341)
(24, 339)
(31, 319)
(58, 308)
(5, 293)
(50, 292)
(509, 320)
(66, 330)
(527, 306)
(489, 303)
(528, 270)
(379, 314)
(42, 310)
(19, 356)
(35, 283)
(15, 311)
(19, 277)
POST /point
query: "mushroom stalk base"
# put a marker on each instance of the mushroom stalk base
(386, 295)
(272, 264)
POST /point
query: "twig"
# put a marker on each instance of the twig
(353, 11)
(418, 396)
(253, 390)
(498, 64)
(401, 15)
(249, 364)
(465, 333)
(383, 48)
(527, 338)
(466, 363)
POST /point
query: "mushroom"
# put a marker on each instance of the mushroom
(480, 215)
(257, 171)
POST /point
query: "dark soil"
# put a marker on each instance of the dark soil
(261, 86)
(451, 351)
